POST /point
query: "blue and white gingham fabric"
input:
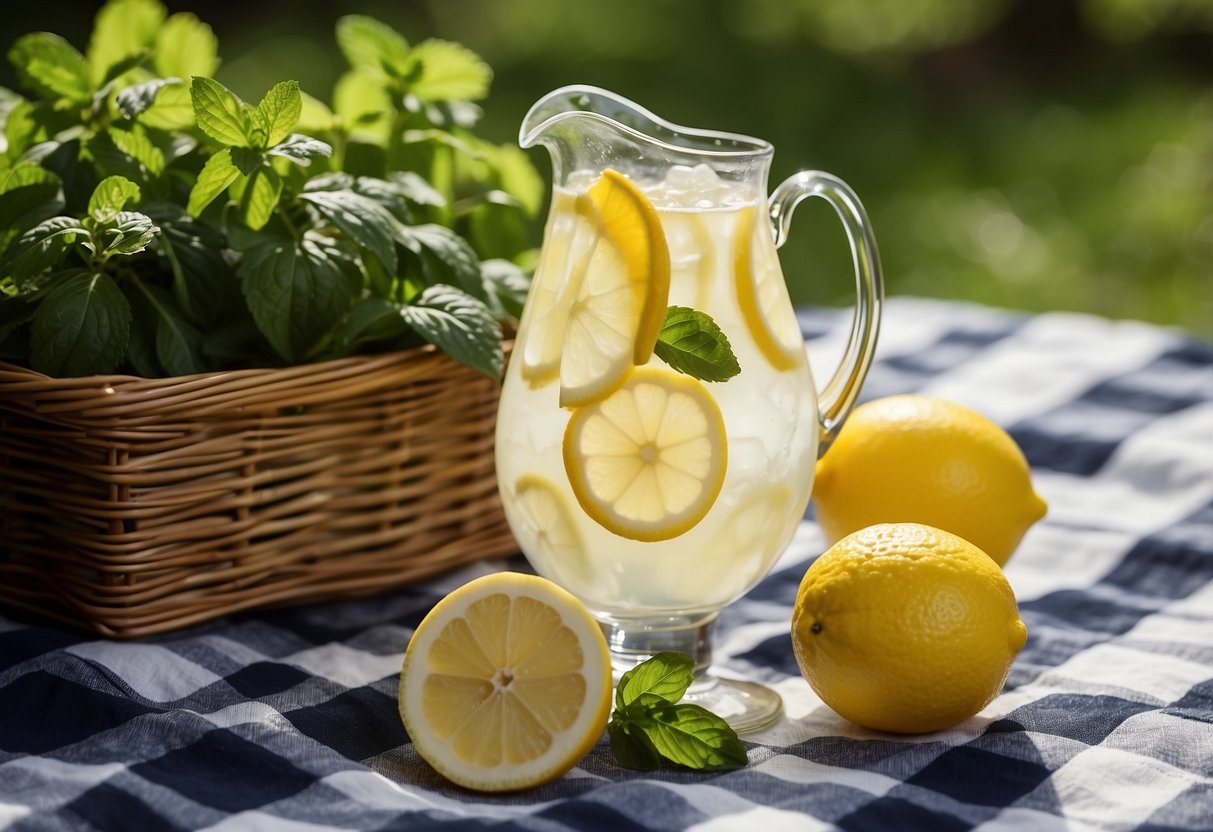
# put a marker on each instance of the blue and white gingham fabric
(286, 720)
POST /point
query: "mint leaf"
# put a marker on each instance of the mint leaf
(278, 111)
(692, 736)
(445, 257)
(631, 747)
(177, 341)
(372, 46)
(665, 675)
(649, 723)
(41, 247)
(692, 343)
(371, 319)
(257, 196)
(51, 67)
(186, 46)
(81, 328)
(173, 108)
(365, 221)
(507, 286)
(134, 143)
(214, 178)
(123, 28)
(138, 97)
(444, 71)
(361, 103)
(459, 325)
(202, 280)
(416, 189)
(127, 232)
(300, 149)
(297, 291)
(110, 196)
(219, 113)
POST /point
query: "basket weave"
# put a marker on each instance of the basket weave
(133, 506)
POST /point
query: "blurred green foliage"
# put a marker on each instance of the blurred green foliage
(1024, 153)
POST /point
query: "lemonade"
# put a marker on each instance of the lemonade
(644, 491)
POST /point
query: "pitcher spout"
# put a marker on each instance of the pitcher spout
(589, 128)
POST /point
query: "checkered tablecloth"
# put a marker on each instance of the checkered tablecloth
(286, 720)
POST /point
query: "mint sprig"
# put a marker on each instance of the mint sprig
(692, 343)
(650, 724)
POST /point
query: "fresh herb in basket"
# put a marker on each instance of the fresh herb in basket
(153, 222)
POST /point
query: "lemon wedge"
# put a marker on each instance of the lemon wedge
(506, 683)
(647, 462)
(620, 306)
(762, 294)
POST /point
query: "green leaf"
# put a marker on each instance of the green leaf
(134, 143)
(692, 736)
(445, 257)
(185, 46)
(214, 178)
(459, 325)
(193, 251)
(29, 194)
(446, 71)
(279, 110)
(178, 342)
(315, 116)
(40, 248)
(220, 113)
(507, 284)
(173, 108)
(372, 319)
(138, 97)
(497, 230)
(416, 189)
(110, 196)
(123, 28)
(129, 232)
(300, 149)
(366, 222)
(372, 46)
(298, 291)
(141, 347)
(81, 328)
(692, 343)
(665, 675)
(51, 67)
(116, 71)
(257, 196)
(247, 159)
(364, 107)
(631, 747)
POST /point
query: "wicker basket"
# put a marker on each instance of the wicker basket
(133, 506)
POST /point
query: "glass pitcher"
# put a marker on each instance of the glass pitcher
(639, 469)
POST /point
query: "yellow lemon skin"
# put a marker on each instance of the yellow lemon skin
(918, 459)
(906, 628)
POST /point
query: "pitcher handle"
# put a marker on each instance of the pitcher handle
(837, 398)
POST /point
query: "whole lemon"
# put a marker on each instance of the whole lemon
(918, 459)
(903, 627)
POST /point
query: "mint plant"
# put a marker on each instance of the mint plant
(152, 221)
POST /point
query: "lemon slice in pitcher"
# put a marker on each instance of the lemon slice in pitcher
(569, 240)
(614, 322)
(545, 514)
(763, 295)
(647, 462)
(506, 683)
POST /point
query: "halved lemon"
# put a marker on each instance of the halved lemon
(545, 516)
(569, 240)
(614, 322)
(506, 683)
(763, 295)
(647, 462)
